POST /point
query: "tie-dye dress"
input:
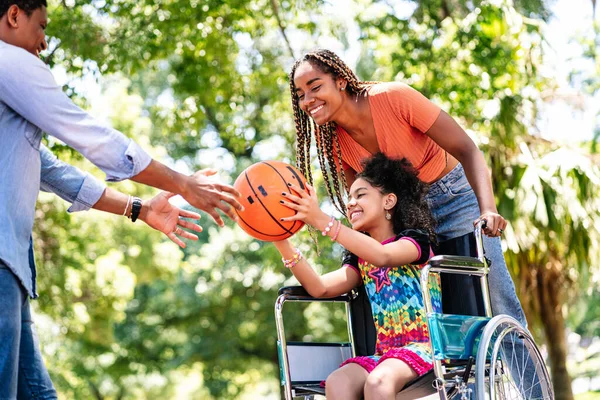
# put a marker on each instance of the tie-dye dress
(398, 308)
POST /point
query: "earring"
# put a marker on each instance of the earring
(388, 216)
(342, 89)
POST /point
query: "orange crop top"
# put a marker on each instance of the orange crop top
(401, 116)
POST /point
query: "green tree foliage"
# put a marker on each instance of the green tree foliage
(216, 65)
(125, 314)
(483, 67)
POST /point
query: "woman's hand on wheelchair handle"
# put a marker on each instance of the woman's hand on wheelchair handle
(495, 223)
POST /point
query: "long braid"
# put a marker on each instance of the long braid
(303, 135)
(329, 137)
(338, 152)
(326, 135)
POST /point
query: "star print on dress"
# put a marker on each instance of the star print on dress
(398, 308)
(381, 277)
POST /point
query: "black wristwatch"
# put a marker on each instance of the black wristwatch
(136, 207)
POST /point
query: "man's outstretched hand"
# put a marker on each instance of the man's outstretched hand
(163, 216)
(200, 190)
(208, 195)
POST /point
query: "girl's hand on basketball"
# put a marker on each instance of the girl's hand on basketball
(163, 216)
(305, 203)
(495, 223)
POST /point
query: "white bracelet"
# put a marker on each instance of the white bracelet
(127, 205)
(325, 231)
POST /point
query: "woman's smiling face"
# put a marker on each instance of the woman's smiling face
(319, 94)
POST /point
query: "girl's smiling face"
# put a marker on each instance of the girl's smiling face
(368, 205)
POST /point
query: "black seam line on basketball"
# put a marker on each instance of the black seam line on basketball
(266, 209)
(284, 181)
(244, 221)
(254, 229)
(297, 177)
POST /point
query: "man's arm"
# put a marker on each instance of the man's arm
(28, 87)
(79, 188)
(157, 213)
(85, 192)
(199, 190)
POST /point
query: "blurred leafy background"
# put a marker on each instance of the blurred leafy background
(125, 314)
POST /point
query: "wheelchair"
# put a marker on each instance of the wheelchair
(475, 355)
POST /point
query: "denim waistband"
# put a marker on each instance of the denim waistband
(441, 185)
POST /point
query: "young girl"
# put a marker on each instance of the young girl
(386, 201)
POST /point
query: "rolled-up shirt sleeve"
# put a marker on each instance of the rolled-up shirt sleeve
(68, 182)
(28, 87)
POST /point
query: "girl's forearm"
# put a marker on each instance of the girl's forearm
(307, 276)
(374, 252)
(363, 245)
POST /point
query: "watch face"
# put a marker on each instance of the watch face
(136, 208)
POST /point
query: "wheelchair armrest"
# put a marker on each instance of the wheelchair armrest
(457, 263)
(299, 293)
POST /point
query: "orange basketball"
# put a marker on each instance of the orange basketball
(261, 185)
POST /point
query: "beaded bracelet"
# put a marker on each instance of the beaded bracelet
(325, 231)
(127, 205)
(292, 262)
(337, 231)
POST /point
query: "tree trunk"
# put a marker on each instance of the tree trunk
(95, 391)
(550, 292)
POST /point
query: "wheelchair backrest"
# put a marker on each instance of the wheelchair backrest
(470, 300)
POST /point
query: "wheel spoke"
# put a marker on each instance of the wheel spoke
(524, 361)
(513, 367)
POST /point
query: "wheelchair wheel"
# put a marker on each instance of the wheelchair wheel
(509, 365)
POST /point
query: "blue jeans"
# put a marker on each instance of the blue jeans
(23, 374)
(455, 207)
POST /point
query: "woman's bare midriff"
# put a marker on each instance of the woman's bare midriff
(452, 162)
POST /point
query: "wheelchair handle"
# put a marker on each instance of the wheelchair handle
(481, 224)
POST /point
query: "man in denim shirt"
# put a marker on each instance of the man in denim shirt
(32, 103)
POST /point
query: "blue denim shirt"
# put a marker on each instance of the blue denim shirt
(32, 103)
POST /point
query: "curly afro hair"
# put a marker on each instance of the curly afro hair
(398, 176)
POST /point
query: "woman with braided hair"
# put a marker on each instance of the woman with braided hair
(352, 120)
